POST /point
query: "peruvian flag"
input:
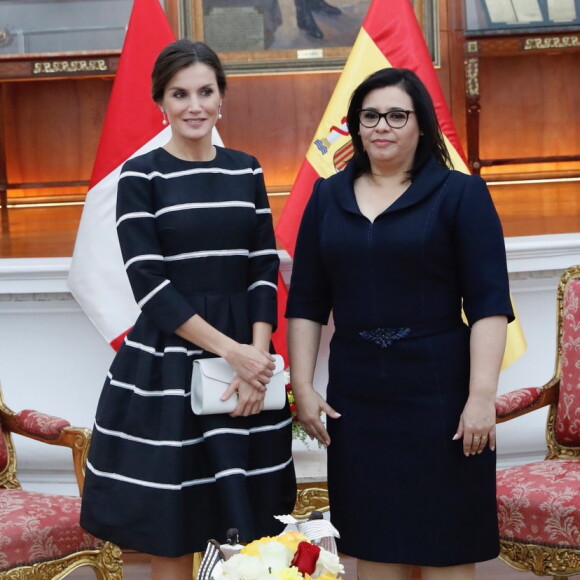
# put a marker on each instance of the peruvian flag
(132, 126)
(390, 36)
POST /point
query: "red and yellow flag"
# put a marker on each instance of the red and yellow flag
(390, 36)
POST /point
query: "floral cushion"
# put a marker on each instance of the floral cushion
(37, 527)
(568, 415)
(41, 425)
(517, 400)
(539, 503)
(3, 451)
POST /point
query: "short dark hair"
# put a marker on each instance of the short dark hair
(179, 55)
(431, 142)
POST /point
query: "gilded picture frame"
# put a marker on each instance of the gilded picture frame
(253, 36)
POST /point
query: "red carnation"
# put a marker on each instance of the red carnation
(305, 557)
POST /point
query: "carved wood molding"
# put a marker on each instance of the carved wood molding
(56, 66)
(541, 560)
(106, 562)
(311, 497)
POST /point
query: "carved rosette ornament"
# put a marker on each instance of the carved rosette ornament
(541, 560)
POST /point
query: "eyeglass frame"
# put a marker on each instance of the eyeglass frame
(384, 116)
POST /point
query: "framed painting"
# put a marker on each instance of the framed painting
(287, 35)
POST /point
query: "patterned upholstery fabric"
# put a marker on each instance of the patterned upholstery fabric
(40, 424)
(539, 503)
(517, 400)
(568, 415)
(3, 451)
(38, 527)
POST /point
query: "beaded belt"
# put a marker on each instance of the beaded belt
(385, 336)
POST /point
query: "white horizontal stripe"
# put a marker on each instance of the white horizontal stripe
(134, 215)
(154, 442)
(207, 205)
(215, 170)
(206, 254)
(142, 258)
(264, 210)
(257, 253)
(231, 431)
(144, 483)
(148, 297)
(153, 351)
(262, 283)
(178, 486)
(274, 427)
(252, 472)
(144, 393)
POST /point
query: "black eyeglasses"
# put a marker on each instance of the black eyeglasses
(397, 119)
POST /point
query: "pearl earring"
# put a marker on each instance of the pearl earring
(164, 120)
(220, 116)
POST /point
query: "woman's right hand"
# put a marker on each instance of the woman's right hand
(252, 365)
(309, 406)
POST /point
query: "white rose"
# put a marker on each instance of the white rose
(275, 555)
(328, 563)
(243, 567)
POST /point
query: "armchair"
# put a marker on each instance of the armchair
(539, 503)
(40, 535)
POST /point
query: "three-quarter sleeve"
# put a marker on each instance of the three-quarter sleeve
(310, 295)
(155, 294)
(264, 261)
(481, 256)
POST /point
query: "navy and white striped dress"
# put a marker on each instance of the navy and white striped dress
(196, 238)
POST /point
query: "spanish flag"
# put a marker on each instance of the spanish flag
(390, 36)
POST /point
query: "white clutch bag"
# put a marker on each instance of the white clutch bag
(212, 376)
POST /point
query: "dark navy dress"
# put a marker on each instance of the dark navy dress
(399, 361)
(195, 238)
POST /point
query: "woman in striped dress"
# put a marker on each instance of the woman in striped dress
(196, 235)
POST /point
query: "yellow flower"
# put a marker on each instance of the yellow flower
(252, 549)
(325, 577)
(292, 538)
(288, 574)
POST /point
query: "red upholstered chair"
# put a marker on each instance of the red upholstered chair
(40, 535)
(539, 503)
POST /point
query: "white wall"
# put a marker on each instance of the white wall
(53, 360)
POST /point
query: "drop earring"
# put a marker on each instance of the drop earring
(164, 120)
(220, 116)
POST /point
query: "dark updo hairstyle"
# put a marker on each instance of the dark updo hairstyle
(179, 55)
(431, 142)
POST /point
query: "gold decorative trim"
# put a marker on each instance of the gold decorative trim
(557, 450)
(552, 42)
(309, 498)
(541, 560)
(106, 562)
(472, 46)
(472, 77)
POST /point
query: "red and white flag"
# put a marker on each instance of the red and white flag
(132, 126)
(390, 36)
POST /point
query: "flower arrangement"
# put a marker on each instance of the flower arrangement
(289, 556)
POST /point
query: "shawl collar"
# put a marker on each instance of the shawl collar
(427, 182)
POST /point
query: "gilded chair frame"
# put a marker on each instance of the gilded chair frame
(545, 560)
(106, 561)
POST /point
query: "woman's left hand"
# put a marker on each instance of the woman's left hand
(250, 399)
(477, 425)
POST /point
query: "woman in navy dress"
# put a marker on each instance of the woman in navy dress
(196, 235)
(396, 245)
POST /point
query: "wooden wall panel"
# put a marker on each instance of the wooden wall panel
(529, 108)
(274, 117)
(52, 129)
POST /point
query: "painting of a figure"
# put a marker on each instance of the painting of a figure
(282, 24)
